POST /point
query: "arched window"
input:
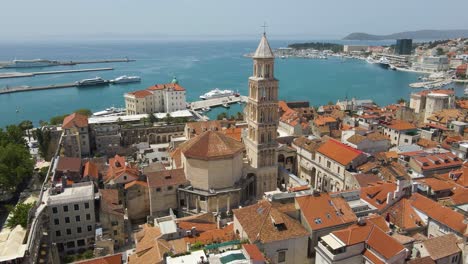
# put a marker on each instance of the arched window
(262, 138)
(261, 115)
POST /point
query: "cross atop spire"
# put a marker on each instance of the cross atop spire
(264, 28)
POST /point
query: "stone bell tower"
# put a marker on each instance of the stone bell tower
(262, 119)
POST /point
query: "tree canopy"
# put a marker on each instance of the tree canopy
(16, 163)
(84, 111)
(19, 215)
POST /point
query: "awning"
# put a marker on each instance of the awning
(332, 242)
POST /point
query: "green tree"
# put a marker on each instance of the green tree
(240, 116)
(43, 173)
(440, 52)
(26, 126)
(152, 118)
(330, 103)
(43, 123)
(222, 116)
(144, 120)
(57, 120)
(168, 119)
(19, 215)
(84, 111)
(16, 165)
(401, 101)
(43, 136)
(13, 134)
(120, 122)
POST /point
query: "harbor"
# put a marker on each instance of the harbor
(26, 88)
(5, 75)
(206, 105)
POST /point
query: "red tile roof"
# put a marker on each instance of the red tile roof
(265, 223)
(174, 86)
(75, 120)
(339, 152)
(211, 145)
(110, 202)
(112, 259)
(403, 215)
(130, 184)
(69, 164)
(373, 236)
(376, 194)
(253, 252)
(217, 235)
(164, 178)
(400, 125)
(141, 93)
(91, 170)
(437, 161)
(440, 213)
(323, 211)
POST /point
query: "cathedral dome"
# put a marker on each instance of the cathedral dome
(211, 145)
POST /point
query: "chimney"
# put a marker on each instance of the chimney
(389, 198)
(64, 182)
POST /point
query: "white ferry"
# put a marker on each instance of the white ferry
(217, 93)
(384, 63)
(126, 79)
(92, 81)
(30, 63)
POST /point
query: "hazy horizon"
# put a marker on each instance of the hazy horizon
(242, 19)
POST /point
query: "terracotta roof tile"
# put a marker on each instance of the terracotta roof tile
(91, 170)
(440, 213)
(424, 260)
(400, 125)
(253, 252)
(365, 180)
(165, 86)
(323, 211)
(211, 145)
(110, 202)
(75, 120)
(164, 178)
(307, 144)
(141, 93)
(256, 220)
(112, 259)
(216, 235)
(69, 164)
(377, 194)
(442, 246)
(403, 215)
(437, 161)
(339, 152)
(131, 184)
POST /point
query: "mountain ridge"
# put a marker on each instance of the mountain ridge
(418, 34)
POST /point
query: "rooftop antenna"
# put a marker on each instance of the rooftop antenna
(264, 28)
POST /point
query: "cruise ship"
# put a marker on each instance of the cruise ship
(217, 93)
(91, 82)
(384, 63)
(126, 79)
(30, 63)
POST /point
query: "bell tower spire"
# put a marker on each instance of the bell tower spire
(262, 118)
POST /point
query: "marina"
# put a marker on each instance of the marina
(5, 75)
(220, 101)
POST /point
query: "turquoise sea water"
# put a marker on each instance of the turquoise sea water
(199, 66)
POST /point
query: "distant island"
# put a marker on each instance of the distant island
(419, 34)
(318, 46)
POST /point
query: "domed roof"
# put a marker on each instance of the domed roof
(211, 145)
(174, 80)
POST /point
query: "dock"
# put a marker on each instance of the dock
(35, 88)
(4, 75)
(199, 105)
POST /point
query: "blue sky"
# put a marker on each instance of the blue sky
(239, 18)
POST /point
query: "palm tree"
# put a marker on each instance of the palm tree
(26, 125)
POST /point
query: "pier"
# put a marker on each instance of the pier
(199, 105)
(35, 88)
(4, 75)
(4, 64)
